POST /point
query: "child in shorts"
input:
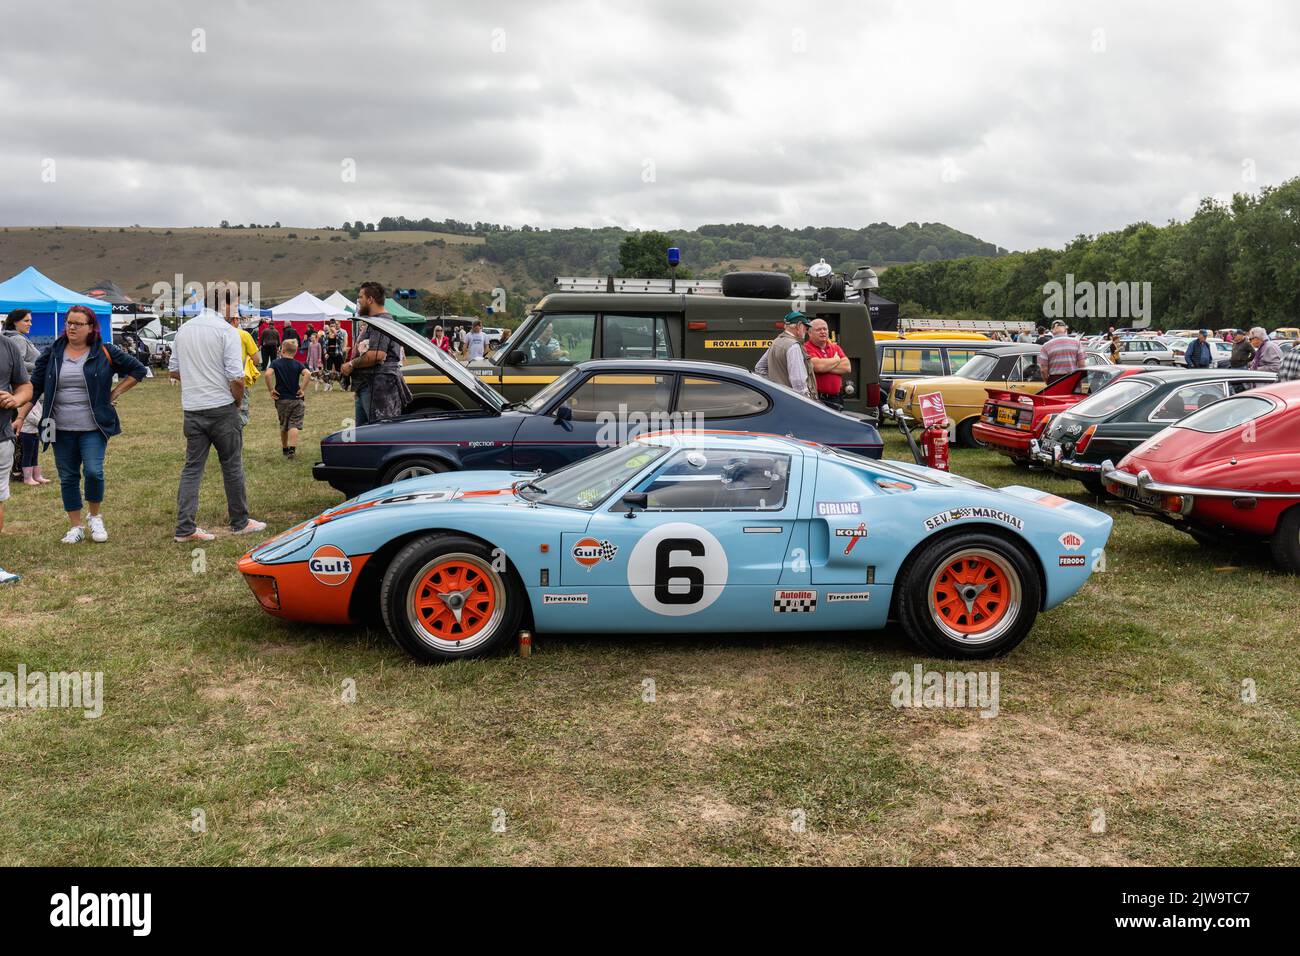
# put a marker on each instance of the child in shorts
(287, 383)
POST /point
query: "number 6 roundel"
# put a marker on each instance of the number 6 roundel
(677, 569)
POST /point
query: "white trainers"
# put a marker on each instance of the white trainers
(252, 526)
(8, 577)
(198, 534)
(98, 533)
(75, 535)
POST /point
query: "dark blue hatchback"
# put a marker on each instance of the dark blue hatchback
(592, 406)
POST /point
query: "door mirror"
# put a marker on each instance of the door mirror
(635, 500)
(517, 357)
(563, 414)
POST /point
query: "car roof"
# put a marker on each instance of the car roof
(935, 343)
(1020, 349)
(1192, 374)
(666, 365)
(749, 441)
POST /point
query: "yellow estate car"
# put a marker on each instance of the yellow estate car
(1014, 367)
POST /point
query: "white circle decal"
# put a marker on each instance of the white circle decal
(677, 569)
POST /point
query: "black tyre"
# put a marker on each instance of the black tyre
(756, 285)
(1094, 486)
(1285, 543)
(443, 600)
(969, 595)
(966, 435)
(412, 468)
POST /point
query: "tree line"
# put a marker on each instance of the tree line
(1230, 264)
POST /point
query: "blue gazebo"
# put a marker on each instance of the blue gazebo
(49, 303)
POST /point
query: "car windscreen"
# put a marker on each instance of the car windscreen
(980, 368)
(1111, 399)
(586, 483)
(1225, 414)
(557, 387)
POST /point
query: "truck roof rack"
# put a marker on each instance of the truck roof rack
(798, 290)
(966, 325)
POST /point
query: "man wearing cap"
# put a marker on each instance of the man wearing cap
(1242, 351)
(1060, 355)
(1199, 353)
(829, 364)
(785, 362)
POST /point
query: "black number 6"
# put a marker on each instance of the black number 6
(665, 572)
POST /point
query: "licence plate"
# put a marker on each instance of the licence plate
(1007, 416)
(1144, 498)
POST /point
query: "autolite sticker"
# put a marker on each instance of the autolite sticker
(330, 566)
(1071, 541)
(794, 602)
(1072, 560)
(829, 509)
(564, 599)
(973, 511)
(589, 552)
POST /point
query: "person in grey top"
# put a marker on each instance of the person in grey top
(17, 326)
(74, 378)
(1268, 357)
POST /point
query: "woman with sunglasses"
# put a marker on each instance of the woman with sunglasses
(74, 378)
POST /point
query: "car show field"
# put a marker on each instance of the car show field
(1153, 718)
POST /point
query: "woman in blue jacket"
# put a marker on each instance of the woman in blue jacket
(74, 376)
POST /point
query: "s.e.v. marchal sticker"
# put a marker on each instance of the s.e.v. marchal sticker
(972, 511)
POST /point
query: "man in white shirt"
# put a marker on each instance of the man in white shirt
(476, 342)
(208, 360)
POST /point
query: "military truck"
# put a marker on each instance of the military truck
(732, 320)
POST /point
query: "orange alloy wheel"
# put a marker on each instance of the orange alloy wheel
(454, 599)
(974, 595)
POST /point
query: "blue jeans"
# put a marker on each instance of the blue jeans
(75, 453)
(362, 404)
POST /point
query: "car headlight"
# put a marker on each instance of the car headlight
(285, 545)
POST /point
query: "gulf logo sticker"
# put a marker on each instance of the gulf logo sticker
(330, 566)
(589, 552)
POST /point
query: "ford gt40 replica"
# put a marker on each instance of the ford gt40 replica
(590, 406)
(1010, 420)
(690, 532)
(1228, 471)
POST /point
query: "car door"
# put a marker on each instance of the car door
(706, 548)
(602, 410)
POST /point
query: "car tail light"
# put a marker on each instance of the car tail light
(265, 590)
(1113, 487)
(1082, 444)
(873, 396)
(1173, 503)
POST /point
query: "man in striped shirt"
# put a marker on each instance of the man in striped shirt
(1060, 355)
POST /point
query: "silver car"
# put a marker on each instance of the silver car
(1145, 351)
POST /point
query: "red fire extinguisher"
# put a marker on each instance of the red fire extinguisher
(934, 444)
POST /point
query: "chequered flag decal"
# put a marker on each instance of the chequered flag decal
(794, 602)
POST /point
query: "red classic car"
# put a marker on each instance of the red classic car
(1010, 419)
(1229, 470)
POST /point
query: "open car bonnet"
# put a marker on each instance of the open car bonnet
(473, 389)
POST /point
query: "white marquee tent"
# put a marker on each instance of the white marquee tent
(338, 300)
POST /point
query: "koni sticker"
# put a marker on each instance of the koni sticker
(589, 552)
(564, 599)
(853, 534)
(794, 601)
(330, 566)
(972, 511)
(1071, 541)
(831, 509)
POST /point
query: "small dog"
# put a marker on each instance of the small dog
(325, 377)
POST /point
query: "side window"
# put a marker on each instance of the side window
(888, 361)
(1183, 401)
(561, 339)
(651, 394)
(1236, 388)
(632, 337)
(664, 339)
(959, 357)
(714, 398)
(700, 480)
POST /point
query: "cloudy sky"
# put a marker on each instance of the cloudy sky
(1022, 123)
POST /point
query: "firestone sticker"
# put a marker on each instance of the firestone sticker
(564, 599)
(974, 511)
(835, 597)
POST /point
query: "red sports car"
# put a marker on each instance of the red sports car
(1010, 419)
(1229, 470)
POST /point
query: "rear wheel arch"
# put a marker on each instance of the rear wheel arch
(997, 531)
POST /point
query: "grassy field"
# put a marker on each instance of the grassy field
(1125, 702)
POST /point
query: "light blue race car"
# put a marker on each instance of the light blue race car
(690, 532)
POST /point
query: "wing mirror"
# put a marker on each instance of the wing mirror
(635, 500)
(517, 357)
(564, 416)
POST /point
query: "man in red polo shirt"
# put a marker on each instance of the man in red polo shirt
(829, 363)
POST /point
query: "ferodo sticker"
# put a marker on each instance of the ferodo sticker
(794, 601)
(957, 514)
(589, 552)
(1072, 560)
(1071, 541)
(330, 566)
(677, 569)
